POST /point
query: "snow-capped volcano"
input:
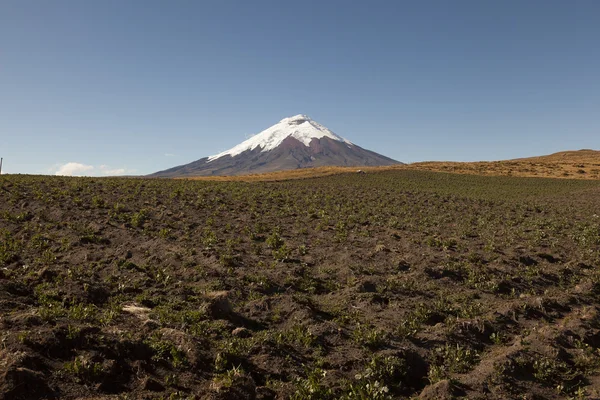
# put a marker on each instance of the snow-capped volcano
(294, 142)
(300, 127)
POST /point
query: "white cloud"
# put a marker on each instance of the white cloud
(78, 169)
(169, 155)
(106, 170)
(73, 169)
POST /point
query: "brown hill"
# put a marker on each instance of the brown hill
(579, 164)
(578, 156)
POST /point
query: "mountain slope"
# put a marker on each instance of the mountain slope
(579, 156)
(295, 142)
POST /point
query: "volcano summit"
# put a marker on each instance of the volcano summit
(295, 142)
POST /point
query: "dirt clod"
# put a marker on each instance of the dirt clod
(152, 385)
(241, 332)
(21, 383)
(218, 306)
(441, 390)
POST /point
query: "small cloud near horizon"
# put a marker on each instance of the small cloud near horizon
(79, 169)
(106, 170)
(169, 155)
(73, 169)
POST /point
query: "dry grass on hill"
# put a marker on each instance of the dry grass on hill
(581, 164)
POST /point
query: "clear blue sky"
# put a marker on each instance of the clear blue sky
(136, 86)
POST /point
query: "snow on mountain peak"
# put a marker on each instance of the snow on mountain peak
(300, 127)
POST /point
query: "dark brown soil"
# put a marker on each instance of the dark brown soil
(395, 284)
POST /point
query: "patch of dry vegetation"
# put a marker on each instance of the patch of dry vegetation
(301, 173)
